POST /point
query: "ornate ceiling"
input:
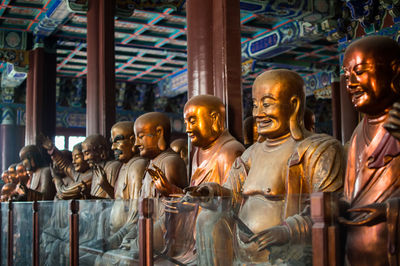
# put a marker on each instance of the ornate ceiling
(150, 36)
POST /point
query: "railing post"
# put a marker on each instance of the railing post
(35, 222)
(10, 234)
(74, 233)
(146, 208)
(326, 239)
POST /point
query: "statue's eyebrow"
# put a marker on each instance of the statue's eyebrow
(118, 137)
(268, 96)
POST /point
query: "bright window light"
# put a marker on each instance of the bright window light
(60, 142)
(73, 140)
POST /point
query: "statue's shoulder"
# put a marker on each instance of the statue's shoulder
(231, 147)
(318, 141)
(112, 164)
(138, 163)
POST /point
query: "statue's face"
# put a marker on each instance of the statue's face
(122, 145)
(199, 124)
(21, 173)
(368, 81)
(80, 165)
(29, 164)
(91, 154)
(271, 108)
(147, 139)
(12, 174)
(4, 177)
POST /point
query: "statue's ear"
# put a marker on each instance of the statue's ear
(162, 144)
(295, 122)
(217, 121)
(395, 84)
(132, 140)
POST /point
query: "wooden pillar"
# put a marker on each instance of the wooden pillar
(336, 112)
(11, 138)
(100, 109)
(349, 115)
(146, 210)
(214, 55)
(41, 93)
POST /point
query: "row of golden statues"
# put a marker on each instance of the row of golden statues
(243, 206)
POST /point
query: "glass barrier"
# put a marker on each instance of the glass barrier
(255, 229)
(4, 230)
(54, 232)
(22, 233)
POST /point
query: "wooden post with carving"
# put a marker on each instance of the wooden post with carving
(74, 233)
(326, 239)
(35, 227)
(146, 208)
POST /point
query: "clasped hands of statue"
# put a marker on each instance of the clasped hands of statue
(204, 195)
(373, 214)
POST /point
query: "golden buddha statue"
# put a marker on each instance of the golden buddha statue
(41, 186)
(152, 132)
(7, 192)
(12, 173)
(269, 184)
(372, 184)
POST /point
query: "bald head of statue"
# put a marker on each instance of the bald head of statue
(95, 149)
(123, 140)
(278, 104)
(205, 119)
(152, 132)
(372, 70)
(180, 146)
(31, 158)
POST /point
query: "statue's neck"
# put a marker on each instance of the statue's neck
(277, 141)
(372, 125)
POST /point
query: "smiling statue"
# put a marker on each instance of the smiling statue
(372, 184)
(270, 182)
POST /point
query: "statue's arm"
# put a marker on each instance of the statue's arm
(61, 162)
(74, 191)
(47, 187)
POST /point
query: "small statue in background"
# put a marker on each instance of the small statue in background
(309, 120)
(250, 134)
(5, 177)
(180, 146)
(12, 173)
(7, 191)
(372, 183)
(41, 186)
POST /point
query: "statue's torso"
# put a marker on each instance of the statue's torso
(267, 174)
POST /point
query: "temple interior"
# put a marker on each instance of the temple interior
(200, 132)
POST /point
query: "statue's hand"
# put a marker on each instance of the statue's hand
(392, 124)
(373, 214)
(160, 180)
(99, 171)
(46, 142)
(178, 204)
(274, 236)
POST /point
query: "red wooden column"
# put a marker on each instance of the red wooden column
(41, 93)
(349, 115)
(214, 55)
(336, 112)
(100, 109)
